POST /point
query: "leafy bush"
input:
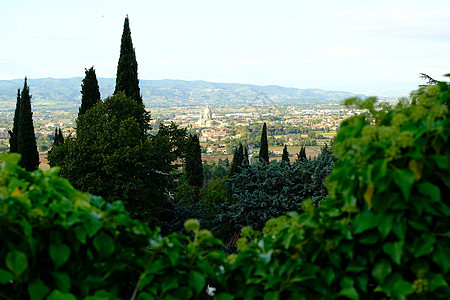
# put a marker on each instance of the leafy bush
(383, 232)
(55, 240)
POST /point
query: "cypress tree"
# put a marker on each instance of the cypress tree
(264, 150)
(246, 158)
(194, 166)
(127, 75)
(302, 154)
(13, 147)
(26, 140)
(285, 156)
(59, 138)
(90, 92)
(238, 157)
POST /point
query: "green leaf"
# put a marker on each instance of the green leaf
(430, 190)
(197, 281)
(145, 296)
(272, 296)
(59, 253)
(37, 289)
(173, 255)
(349, 292)
(394, 250)
(442, 258)
(17, 262)
(442, 161)
(436, 282)
(405, 180)
(364, 221)
(80, 233)
(424, 245)
(381, 269)
(62, 281)
(58, 295)
(403, 287)
(385, 224)
(169, 283)
(104, 244)
(224, 296)
(5, 276)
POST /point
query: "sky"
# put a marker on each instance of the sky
(357, 46)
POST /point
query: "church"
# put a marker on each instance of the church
(206, 118)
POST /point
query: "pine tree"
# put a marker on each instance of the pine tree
(127, 75)
(90, 92)
(13, 147)
(264, 150)
(285, 156)
(26, 140)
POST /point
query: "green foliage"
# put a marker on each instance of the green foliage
(264, 150)
(90, 91)
(384, 229)
(285, 156)
(111, 157)
(26, 140)
(194, 167)
(238, 160)
(265, 191)
(58, 241)
(127, 75)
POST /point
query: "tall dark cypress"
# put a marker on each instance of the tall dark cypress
(26, 140)
(194, 166)
(238, 157)
(127, 75)
(13, 146)
(90, 92)
(264, 150)
(246, 158)
(302, 154)
(285, 156)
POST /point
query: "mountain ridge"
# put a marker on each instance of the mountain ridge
(64, 93)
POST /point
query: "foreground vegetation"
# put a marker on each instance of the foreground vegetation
(383, 231)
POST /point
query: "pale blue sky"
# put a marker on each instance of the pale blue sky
(334, 45)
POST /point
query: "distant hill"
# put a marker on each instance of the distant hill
(51, 93)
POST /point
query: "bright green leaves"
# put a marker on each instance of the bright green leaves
(16, 262)
(59, 253)
(104, 245)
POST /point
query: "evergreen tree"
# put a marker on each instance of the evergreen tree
(90, 92)
(302, 154)
(194, 167)
(238, 158)
(285, 156)
(264, 150)
(246, 158)
(127, 75)
(59, 138)
(26, 140)
(13, 147)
